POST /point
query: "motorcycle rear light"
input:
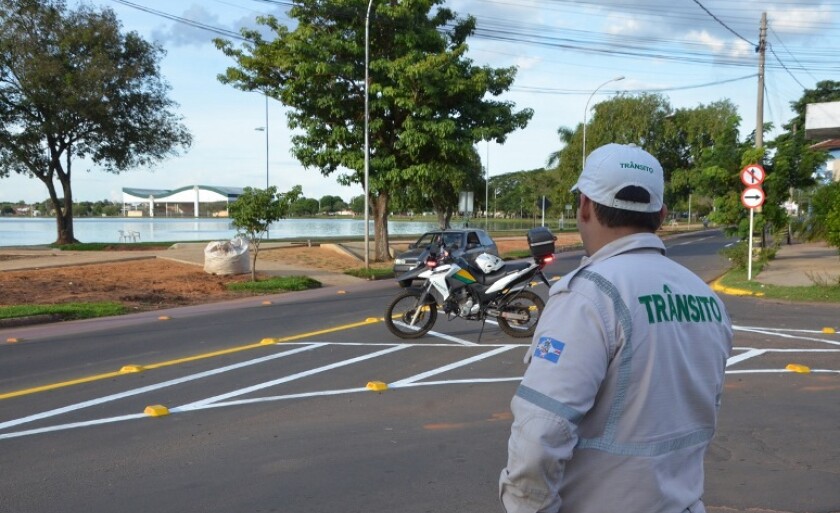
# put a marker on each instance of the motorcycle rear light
(431, 262)
(546, 260)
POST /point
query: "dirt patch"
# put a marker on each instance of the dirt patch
(140, 284)
(159, 283)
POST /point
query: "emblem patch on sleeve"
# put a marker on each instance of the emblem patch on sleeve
(549, 349)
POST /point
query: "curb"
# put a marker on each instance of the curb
(717, 287)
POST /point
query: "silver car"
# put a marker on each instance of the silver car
(467, 243)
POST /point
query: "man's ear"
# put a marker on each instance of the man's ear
(584, 208)
(663, 213)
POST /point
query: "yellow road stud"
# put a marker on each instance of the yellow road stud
(131, 368)
(795, 367)
(828, 330)
(12, 340)
(164, 318)
(156, 410)
(266, 302)
(268, 341)
(377, 386)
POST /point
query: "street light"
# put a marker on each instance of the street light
(487, 188)
(585, 110)
(367, 136)
(265, 129)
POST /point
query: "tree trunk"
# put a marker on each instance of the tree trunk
(380, 227)
(63, 213)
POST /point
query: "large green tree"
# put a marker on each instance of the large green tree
(429, 104)
(699, 148)
(794, 163)
(73, 87)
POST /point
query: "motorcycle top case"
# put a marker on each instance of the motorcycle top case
(541, 241)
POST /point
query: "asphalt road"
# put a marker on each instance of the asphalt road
(269, 408)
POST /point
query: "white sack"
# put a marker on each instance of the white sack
(227, 257)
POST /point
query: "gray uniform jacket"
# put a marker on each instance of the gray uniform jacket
(620, 398)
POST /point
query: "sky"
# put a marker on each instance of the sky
(692, 52)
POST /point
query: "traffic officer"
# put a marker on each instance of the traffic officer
(620, 398)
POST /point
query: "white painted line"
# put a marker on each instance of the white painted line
(785, 371)
(692, 241)
(784, 335)
(732, 360)
(790, 330)
(440, 335)
(158, 386)
(302, 395)
(445, 368)
(63, 427)
(286, 379)
(461, 382)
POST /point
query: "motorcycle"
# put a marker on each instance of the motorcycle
(463, 290)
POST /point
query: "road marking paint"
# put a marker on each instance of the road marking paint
(782, 371)
(732, 360)
(169, 363)
(150, 388)
(692, 241)
(445, 368)
(438, 334)
(790, 330)
(783, 335)
(63, 427)
(286, 379)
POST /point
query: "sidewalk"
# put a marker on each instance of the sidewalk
(799, 264)
(802, 265)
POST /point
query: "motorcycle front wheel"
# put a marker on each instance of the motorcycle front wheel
(526, 304)
(401, 312)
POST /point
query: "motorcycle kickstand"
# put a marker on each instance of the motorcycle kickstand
(481, 332)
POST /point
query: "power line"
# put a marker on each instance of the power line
(724, 25)
(548, 90)
(186, 21)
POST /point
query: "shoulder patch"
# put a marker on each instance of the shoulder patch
(549, 349)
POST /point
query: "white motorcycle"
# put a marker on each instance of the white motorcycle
(488, 288)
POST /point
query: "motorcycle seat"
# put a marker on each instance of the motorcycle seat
(510, 267)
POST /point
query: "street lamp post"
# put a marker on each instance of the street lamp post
(586, 110)
(367, 136)
(265, 129)
(487, 188)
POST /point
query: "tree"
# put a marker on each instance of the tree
(72, 86)
(254, 211)
(429, 105)
(794, 163)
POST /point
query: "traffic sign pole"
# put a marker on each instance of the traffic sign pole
(753, 197)
(750, 248)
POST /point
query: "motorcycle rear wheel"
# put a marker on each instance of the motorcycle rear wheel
(401, 311)
(525, 303)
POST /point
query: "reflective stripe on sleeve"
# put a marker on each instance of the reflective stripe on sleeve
(548, 404)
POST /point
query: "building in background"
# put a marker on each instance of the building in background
(194, 201)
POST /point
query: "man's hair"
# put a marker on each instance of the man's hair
(617, 218)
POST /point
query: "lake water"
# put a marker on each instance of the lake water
(18, 231)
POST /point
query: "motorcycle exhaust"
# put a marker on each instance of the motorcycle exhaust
(512, 316)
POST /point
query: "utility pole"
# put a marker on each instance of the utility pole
(759, 112)
(759, 127)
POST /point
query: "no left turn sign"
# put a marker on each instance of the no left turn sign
(752, 175)
(753, 197)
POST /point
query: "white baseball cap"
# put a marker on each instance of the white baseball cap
(612, 167)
